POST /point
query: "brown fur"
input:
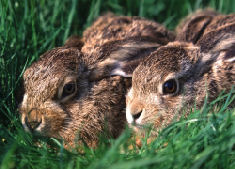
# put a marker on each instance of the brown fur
(204, 68)
(112, 28)
(192, 28)
(101, 70)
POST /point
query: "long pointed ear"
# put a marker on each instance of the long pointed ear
(221, 38)
(192, 27)
(123, 60)
(74, 41)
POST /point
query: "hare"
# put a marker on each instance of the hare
(77, 91)
(180, 74)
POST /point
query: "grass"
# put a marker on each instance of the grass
(28, 28)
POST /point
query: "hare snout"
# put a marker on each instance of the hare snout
(134, 109)
(134, 113)
(47, 118)
(33, 121)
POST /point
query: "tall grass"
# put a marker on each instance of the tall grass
(28, 28)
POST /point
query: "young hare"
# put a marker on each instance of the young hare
(180, 74)
(78, 91)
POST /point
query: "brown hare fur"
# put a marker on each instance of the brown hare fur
(180, 74)
(192, 27)
(77, 92)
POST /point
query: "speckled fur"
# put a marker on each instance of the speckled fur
(111, 44)
(206, 67)
(192, 27)
(120, 28)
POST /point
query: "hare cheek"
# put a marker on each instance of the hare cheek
(24, 102)
(129, 117)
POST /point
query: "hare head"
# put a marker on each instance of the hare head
(61, 101)
(179, 75)
(163, 84)
(73, 93)
(49, 84)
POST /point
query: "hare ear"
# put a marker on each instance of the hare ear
(123, 60)
(74, 41)
(192, 27)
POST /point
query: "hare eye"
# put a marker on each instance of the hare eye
(69, 89)
(169, 87)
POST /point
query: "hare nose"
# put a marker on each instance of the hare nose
(136, 115)
(33, 119)
(32, 124)
(133, 114)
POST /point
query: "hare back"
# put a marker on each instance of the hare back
(113, 28)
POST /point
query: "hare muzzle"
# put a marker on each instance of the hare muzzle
(33, 120)
(134, 112)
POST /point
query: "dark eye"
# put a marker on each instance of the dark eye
(170, 86)
(69, 89)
